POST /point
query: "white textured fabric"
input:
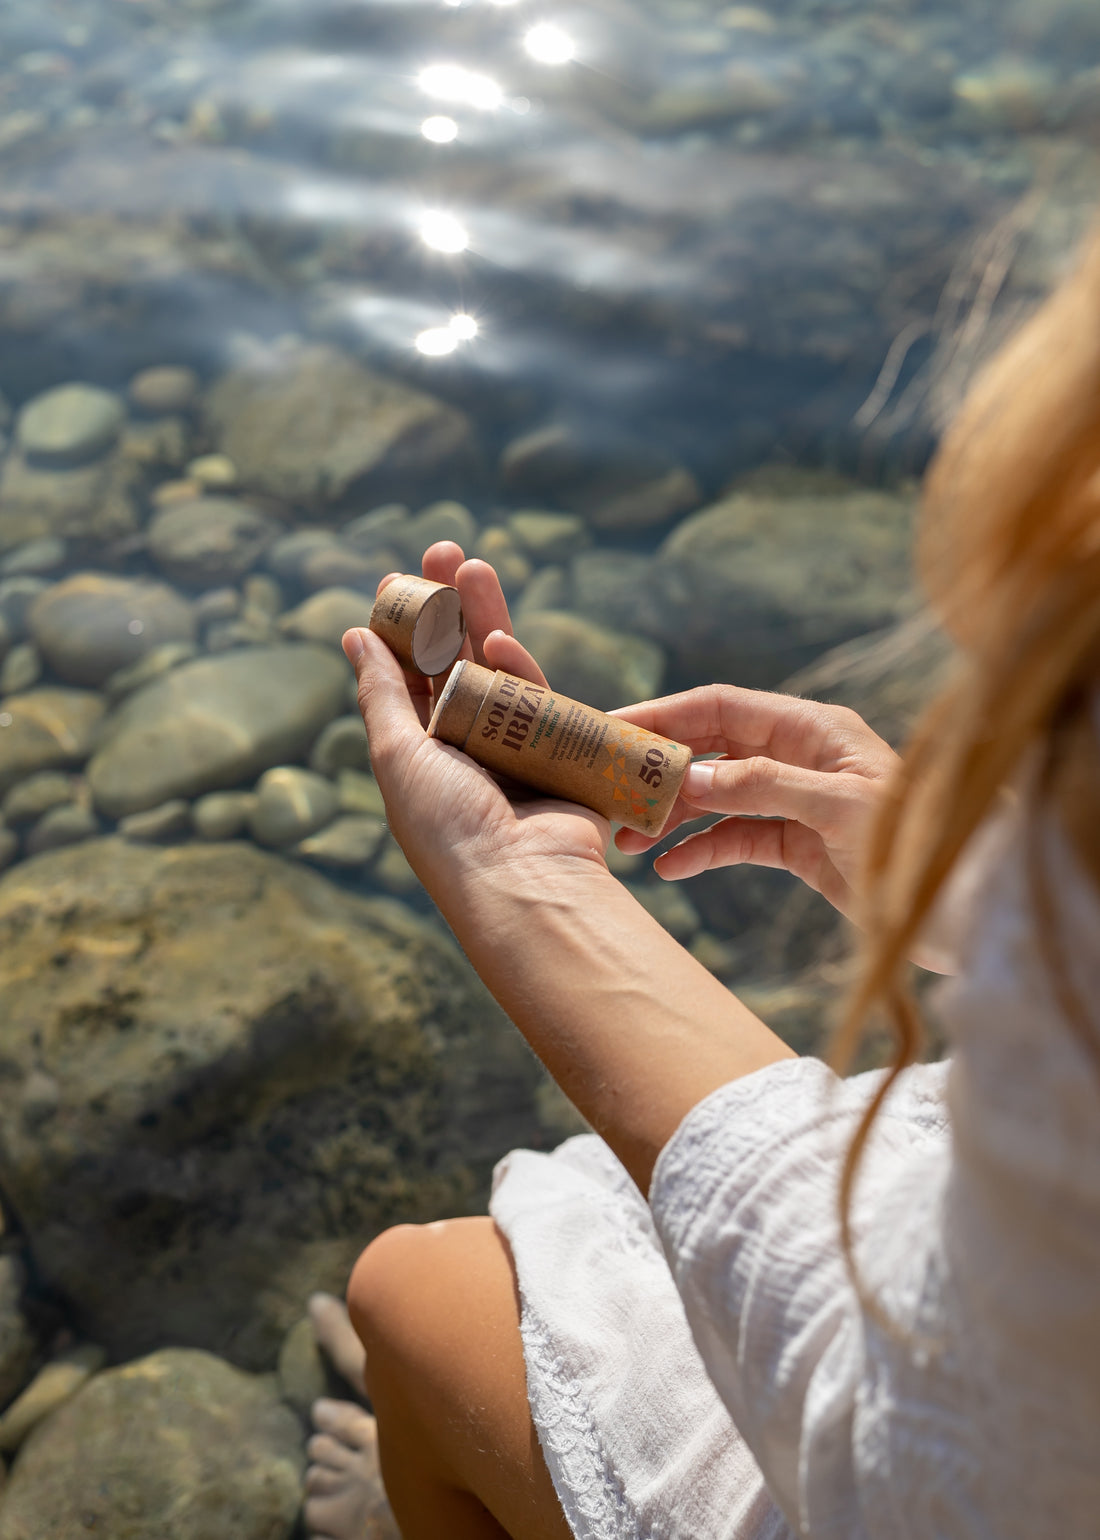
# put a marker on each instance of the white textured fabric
(978, 1228)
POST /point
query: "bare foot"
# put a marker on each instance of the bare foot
(345, 1499)
(336, 1337)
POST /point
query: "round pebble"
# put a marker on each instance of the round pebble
(36, 795)
(216, 473)
(208, 542)
(360, 793)
(61, 826)
(170, 821)
(22, 669)
(93, 624)
(71, 424)
(341, 746)
(217, 604)
(349, 842)
(222, 815)
(35, 557)
(164, 390)
(548, 537)
(291, 804)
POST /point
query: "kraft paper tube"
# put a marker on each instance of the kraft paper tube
(558, 746)
(421, 621)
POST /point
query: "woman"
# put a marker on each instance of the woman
(860, 1308)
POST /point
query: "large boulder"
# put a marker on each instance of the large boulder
(92, 624)
(178, 1444)
(216, 723)
(205, 541)
(310, 424)
(251, 1072)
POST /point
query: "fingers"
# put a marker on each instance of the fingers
(835, 805)
(390, 713)
(483, 604)
(504, 651)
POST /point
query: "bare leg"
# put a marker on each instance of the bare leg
(437, 1310)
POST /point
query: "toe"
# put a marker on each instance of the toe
(322, 1449)
(323, 1481)
(345, 1421)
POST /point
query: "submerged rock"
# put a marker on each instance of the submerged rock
(53, 1385)
(179, 1443)
(255, 1072)
(164, 390)
(602, 668)
(215, 723)
(291, 803)
(93, 624)
(209, 541)
(91, 502)
(70, 424)
(310, 424)
(46, 729)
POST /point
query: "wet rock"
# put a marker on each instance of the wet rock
(93, 502)
(169, 821)
(216, 473)
(46, 729)
(159, 660)
(222, 815)
(312, 425)
(335, 566)
(622, 485)
(549, 589)
(257, 1072)
(35, 558)
(548, 537)
(348, 843)
(498, 547)
(291, 803)
(742, 90)
(327, 615)
(262, 595)
(755, 586)
(287, 557)
(341, 746)
(617, 589)
(70, 425)
(1014, 95)
(217, 604)
(61, 826)
(177, 491)
(589, 663)
(28, 800)
(211, 541)
(305, 1374)
(159, 445)
(178, 1443)
(164, 390)
(440, 521)
(247, 631)
(92, 624)
(18, 1345)
(382, 529)
(360, 793)
(16, 597)
(21, 670)
(53, 1385)
(214, 723)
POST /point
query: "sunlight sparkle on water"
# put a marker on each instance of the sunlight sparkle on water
(455, 83)
(436, 341)
(549, 44)
(439, 130)
(443, 232)
(463, 326)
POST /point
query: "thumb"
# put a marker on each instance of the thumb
(389, 712)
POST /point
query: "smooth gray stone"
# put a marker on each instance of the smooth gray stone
(70, 424)
(61, 826)
(440, 521)
(46, 729)
(155, 1448)
(549, 589)
(21, 669)
(252, 631)
(36, 795)
(164, 390)
(85, 502)
(93, 624)
(287, 556)
(349, 842)
(341, 746)
(210, 541)
(161, 660)
(334, 566)
(325, 616)
(214, 723)
(17, 594)
(290, 804)
(378, 530)
(216, 605)
(548, 537)
(36, 556)
(262, 595)
(222, 815)
(305, 1374)
(169, 821)
(588, 662)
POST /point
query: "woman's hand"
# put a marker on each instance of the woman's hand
(449, 816)
(799, 784)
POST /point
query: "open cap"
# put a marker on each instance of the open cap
(421, 622)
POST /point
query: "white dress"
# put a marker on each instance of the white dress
(700, 1368)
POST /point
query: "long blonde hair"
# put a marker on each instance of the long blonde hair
(1009, 552)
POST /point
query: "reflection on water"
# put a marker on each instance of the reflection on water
(657, 305)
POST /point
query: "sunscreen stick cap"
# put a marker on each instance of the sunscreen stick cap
(421, 622)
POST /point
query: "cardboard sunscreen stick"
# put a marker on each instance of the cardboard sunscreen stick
(422, 623)
(556, 745)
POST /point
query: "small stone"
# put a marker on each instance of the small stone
(305, 1374)
(51, 1387)
(286, 558)
(392, 871)
(498, 547)
(86, 502)
(336, 566)
(46, 729)
(154, 664)
(262, 594)
(222, 815)
(164, 390)
(327, 615)
(21, 670)
(163, 443)
(360, 793)
(439, 521)
(93, 624)
(349, 842)
(290, 804)
(670, 906)
(35, 557)
(209, 542)
(158, 825)
(379, 530)
(62, 826)
(215, 473)
(1013, 95)
(17, 594)
(549, 589)
(9, 847)
(247, 631)
(70, 425)
(170, 492)
(342, 745)
(548, 537)
(217, 604)
(28, 800)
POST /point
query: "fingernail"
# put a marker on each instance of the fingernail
(699, 781)
(353, 645)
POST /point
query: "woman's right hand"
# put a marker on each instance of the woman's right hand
(799, 785)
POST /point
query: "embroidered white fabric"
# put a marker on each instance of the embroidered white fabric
(737, 1390)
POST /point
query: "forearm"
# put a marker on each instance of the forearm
(632, 1028)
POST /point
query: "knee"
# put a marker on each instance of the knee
(378, 1289)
